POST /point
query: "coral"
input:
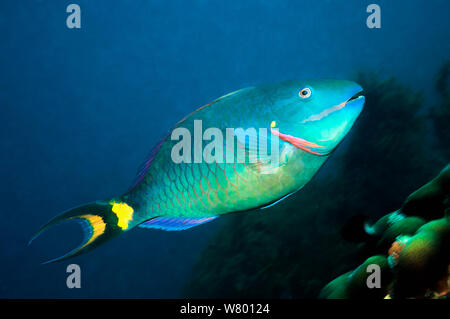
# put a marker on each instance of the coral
(353, 284)
(404, 227)
(423, 261)
(396, 249)
(419, 253)
(430, 200)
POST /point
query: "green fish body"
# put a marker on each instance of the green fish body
(225, 170)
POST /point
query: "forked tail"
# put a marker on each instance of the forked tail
(101, 221)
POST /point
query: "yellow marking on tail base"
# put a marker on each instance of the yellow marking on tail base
(124, 213)
(98, 227)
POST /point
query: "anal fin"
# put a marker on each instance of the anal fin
(175, 223)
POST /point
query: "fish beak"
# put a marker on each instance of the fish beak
(357, 97)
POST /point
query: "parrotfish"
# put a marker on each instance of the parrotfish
(307, 119)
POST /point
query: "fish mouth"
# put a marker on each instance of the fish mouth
(357, 96)
(314, 148)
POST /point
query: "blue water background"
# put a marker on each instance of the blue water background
(80, 109)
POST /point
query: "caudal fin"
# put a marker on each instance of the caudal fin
(101, 221)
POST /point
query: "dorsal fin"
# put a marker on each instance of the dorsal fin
(146, 164)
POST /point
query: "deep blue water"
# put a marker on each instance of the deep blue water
(80, 109)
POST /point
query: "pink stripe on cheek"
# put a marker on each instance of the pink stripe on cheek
(296, 141)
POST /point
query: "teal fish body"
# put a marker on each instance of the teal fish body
(210, 189)
(246, 150)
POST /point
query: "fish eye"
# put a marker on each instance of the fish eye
(305, 93)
